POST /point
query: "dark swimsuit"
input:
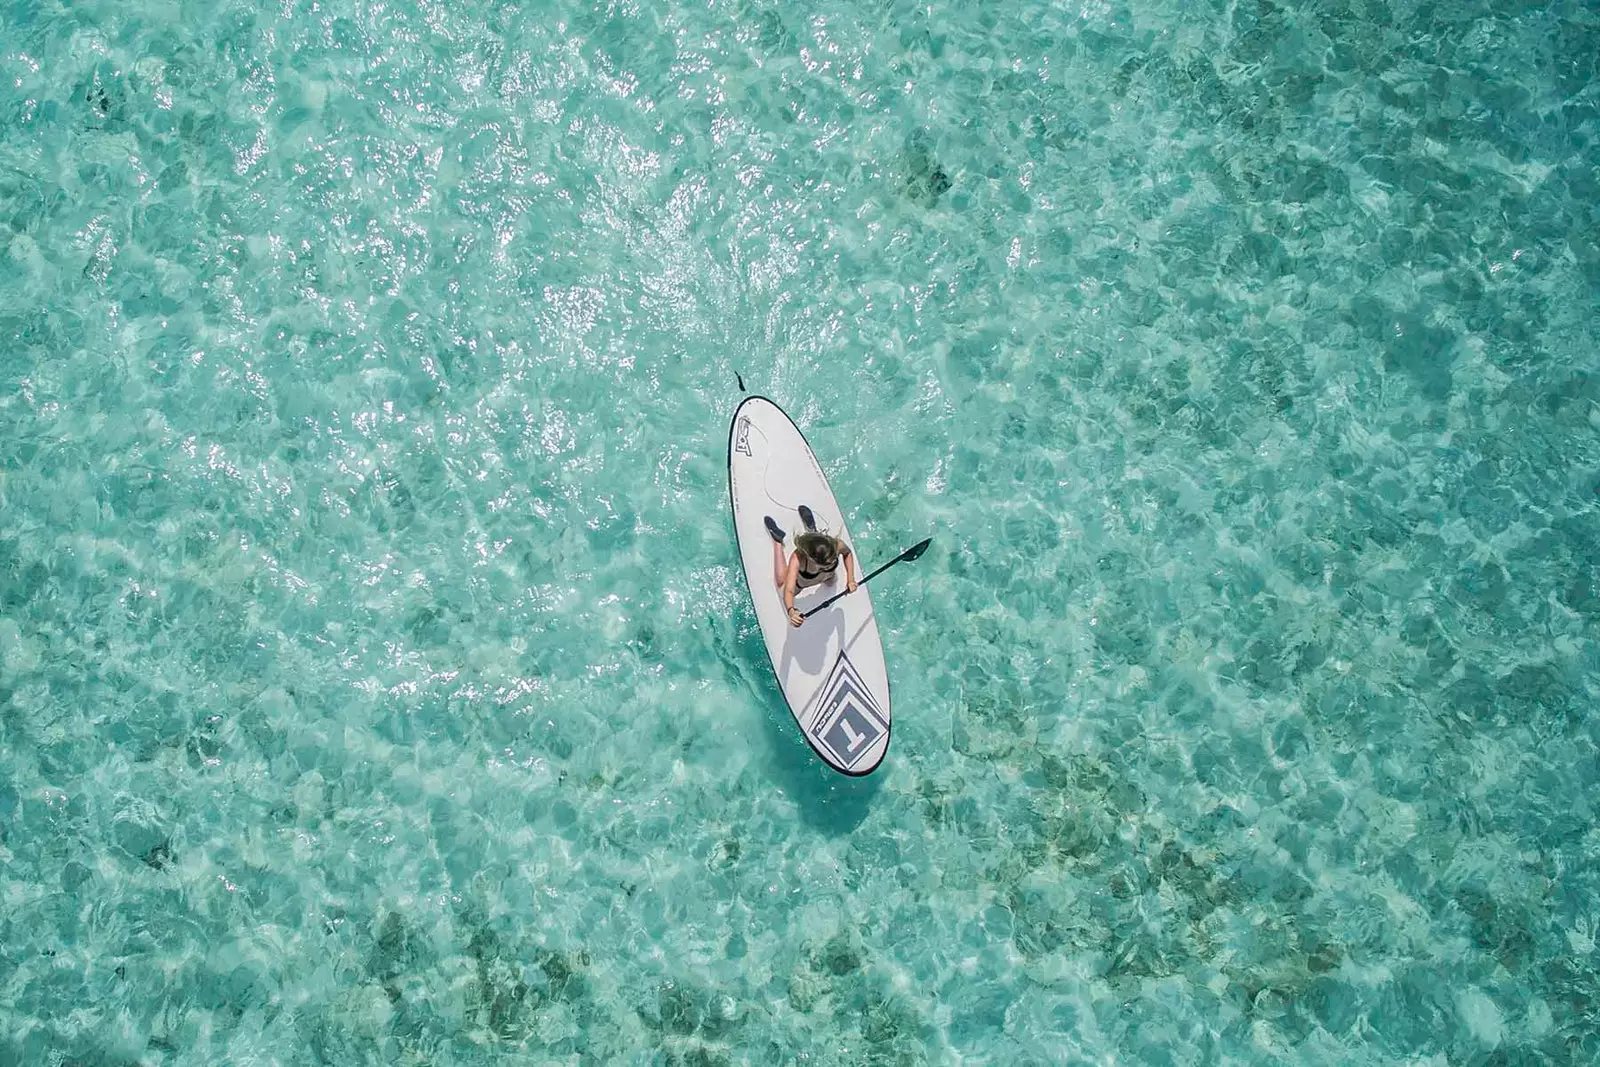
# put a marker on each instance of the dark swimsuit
(807, 579)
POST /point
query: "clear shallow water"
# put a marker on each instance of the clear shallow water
(377, 683)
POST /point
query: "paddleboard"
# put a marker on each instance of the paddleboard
(831, 669)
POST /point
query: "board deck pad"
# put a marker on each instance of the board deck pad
(831, 670)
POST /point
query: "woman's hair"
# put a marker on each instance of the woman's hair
(819, 548)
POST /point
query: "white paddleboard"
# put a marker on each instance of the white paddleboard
(831, 669)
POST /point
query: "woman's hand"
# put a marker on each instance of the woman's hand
(795, 618)
(850, 584)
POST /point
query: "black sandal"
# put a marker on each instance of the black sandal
(773, 529)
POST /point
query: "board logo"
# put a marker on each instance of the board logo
(848, 721)
(741, 440)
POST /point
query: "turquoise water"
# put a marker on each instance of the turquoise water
(377, 683)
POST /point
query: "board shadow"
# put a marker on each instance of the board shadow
(830, 802)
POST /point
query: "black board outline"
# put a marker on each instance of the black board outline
(888, 733)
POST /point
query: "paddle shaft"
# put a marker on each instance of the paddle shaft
(905, 557)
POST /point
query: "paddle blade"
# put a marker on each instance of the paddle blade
(916, 550)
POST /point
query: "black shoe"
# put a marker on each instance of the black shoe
(808, 520)
(774, 529)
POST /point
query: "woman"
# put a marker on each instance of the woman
(815, 560)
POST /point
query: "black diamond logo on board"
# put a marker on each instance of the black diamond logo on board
(741, 440)
(848, 721)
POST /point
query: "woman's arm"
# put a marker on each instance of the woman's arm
(849, 567)
(791, 578)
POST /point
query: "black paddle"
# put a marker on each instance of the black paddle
(907, 556)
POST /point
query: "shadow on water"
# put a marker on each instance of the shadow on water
(830, 802)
